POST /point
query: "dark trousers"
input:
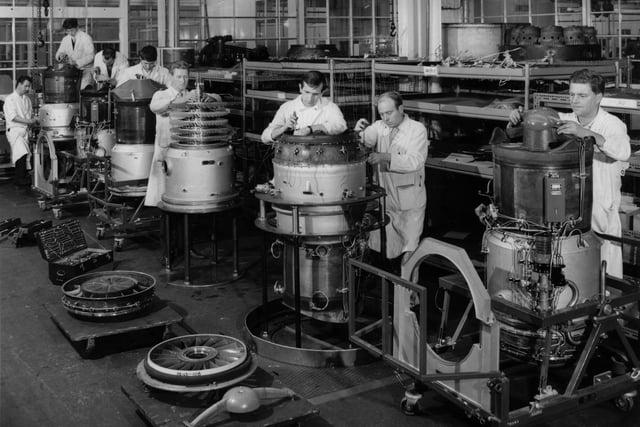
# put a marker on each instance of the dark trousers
(21, 174)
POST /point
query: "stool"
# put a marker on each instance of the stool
(187, 211)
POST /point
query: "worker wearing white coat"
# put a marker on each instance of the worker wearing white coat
(401, 151)
(161, 102)
(308, 113)
(108, 64)
(76, 49)
(18, 113)
(611, 151)
(148, 68)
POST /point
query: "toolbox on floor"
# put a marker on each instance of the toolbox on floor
(65, 248)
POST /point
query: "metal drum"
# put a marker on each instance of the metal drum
(59, 119)
(505, 250)
(552, 35)
(198, 174)
(529, 35)
(508, 266)
(322, 291)
(520, 176)
(318, 169)
(131, 162)
(574, 35)
(135, 123)
(94, 106)
(61, 85)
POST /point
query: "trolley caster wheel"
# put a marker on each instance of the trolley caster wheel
(57, 213)
(624, 403)
(118, 243)
(407, 408)
(100, 233)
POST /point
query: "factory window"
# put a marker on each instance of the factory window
(249, 23)
(355, 27)
(143, 26)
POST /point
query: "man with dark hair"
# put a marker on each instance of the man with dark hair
(308, 113)
(611, 151)
(108, 65)
(401, 148)
(18, 113)
(76, 49)
(146, 69)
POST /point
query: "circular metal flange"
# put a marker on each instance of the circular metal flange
(108, 293)
(195, 388)
(197, 115)
(196, 359)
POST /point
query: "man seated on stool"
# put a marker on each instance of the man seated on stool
(18, 113)
(308, 113)
(401, 148)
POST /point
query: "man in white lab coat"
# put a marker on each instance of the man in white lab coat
(401, 147)
(611, 151)
(146, 69)
(308, 113)
(18, 113)
(108, 64)
(76, 49)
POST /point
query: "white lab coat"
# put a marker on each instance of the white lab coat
(17, 133)
(324, 113)
(82, 53)
(609, 162)
(159, 105)
(404, 183)
(119, 65)
(157, 74)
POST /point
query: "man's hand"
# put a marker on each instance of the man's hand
(515, 117)
(361, 125)
(573, 128)
(379, 158)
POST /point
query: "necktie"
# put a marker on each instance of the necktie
(73, 43)
(392, 134)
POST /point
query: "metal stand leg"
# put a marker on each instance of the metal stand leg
(236, 261)
(187, 249)
(167, 240)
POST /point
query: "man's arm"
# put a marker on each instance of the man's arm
(86, 52)
(334, 123)
(283, 120)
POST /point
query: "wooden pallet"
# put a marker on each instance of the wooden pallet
(84, 334)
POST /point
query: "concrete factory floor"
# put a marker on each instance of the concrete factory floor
(45, 382)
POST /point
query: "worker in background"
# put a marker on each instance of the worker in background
(148, 68)
(108, 64)
(308, 113)
(611, 152)
(76, 49)
(400, 151)
(18, 113)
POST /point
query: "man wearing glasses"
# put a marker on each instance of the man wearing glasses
(146, 69)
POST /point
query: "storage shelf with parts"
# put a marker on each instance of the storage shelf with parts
(472, 107)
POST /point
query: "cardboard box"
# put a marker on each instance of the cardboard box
(65, 248)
